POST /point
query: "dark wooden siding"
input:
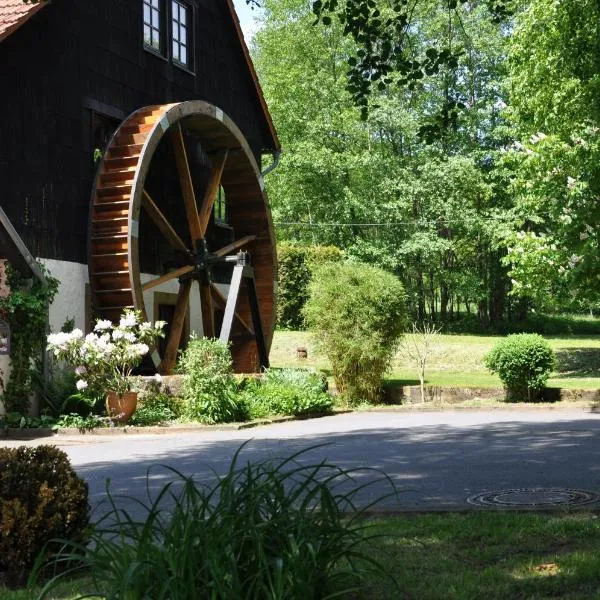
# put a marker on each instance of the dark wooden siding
(75, 56)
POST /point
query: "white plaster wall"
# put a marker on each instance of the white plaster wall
(5, 372)
(70, 299)
(172, 287)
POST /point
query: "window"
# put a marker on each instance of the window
(220, 209)
(152, 24)
(180, 29)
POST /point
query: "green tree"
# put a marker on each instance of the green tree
(426, 212)
(555, 104)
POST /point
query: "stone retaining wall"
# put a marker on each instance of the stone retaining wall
(411, 394)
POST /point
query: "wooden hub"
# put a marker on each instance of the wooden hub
(152, 222)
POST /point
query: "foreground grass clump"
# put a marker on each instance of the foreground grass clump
(279, 530)
(491, 555)
(41, 498)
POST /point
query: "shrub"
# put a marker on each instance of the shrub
(287, 392)
(41, 498)
(296, 264)
(156, 406)
(357, 314)
(279, 530)
(523, 361)
(209, 388)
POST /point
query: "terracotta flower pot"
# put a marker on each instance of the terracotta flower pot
(120, 408)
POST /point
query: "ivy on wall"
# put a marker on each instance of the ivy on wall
(25, 309)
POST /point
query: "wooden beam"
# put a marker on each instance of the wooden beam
(235, 245)
(167, 277)
(161, 222)
(206, 305)
(187, 186)
(212, 189)
(169, 360)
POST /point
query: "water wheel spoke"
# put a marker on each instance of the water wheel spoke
(181, 307)
(206, 305)
(162, 223)
(222, 299)
(235, 245)
(167, 277)
(187, 185)
(212, 189)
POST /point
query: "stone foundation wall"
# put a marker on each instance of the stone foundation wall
(411, 394)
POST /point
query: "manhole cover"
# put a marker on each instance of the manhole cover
(534, 497)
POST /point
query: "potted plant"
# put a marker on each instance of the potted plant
(105, 358)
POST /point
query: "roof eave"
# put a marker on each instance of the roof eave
(23, 19)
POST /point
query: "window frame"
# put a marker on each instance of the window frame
(161, 50)
(189, 32)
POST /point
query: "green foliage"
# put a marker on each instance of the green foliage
(26, 310)
(295, 267)
(432, 214)
(83, 423)
(555, 107)
(209, 388)
(41, 498)
(523, 361)
(18, 421)
(156, 406)
(57, 393)
(357, 314)
(278, 530)
(286, 392)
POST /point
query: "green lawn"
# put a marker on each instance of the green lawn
(491, 555)
(482, 554)
(458, 360)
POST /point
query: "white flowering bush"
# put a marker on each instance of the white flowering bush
(105, 358)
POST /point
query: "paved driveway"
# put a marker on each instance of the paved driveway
(436, 459)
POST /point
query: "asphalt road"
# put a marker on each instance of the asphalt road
(435, 459)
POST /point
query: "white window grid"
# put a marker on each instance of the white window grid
(152, 37)
(180, 20)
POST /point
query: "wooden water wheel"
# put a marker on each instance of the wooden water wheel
(152, 222)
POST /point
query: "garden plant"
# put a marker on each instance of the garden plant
(105, 358)
(523, 362)
(287, 529)
(209, 389)
(41, 499)
(357, 314)
(286, 392)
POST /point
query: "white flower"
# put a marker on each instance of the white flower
(571, 183)
(129, 320)
(141, 349)
(117, 334)
(101, 325)
(76, 334)
(158, 378)
(81, 370)
(81, 384)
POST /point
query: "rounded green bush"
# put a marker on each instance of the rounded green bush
(41, 499)
(523, 361)
(357, 313)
